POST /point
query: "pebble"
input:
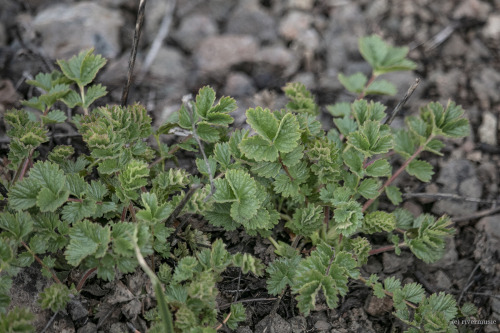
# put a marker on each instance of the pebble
(3, 35)
(393, 263)
(94, 25)
(378, 307)
(274, 324)
(294, 23)
(278, 59)
(485, 85)
(492, 27)
(490, 226)
(441, 281)
(193, 29)
(299, 324)
(239, 84)
(252, 20)
(488, 129)
(169, 64)
(216, 54)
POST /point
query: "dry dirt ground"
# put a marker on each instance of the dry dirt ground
(248, 49)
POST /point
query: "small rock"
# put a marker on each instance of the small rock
(300, 4)
(377, 8)
(488, 129)
(450, 256)
(3, 35)
(193, 30)
(492, 28)
(118, 328)
(322, 325)
(85, 25)
(239, 84)
(485, 85)
(378, 307)
(373, 266)
(278, 59)
(441, 281)
(448, 83)
(299, 324)
(274, 324)
(76, 310)
(491, 228)
(88, 328)
(307, 78)
(252, 20)
(169, 64)
(244, 329)
(217, 54)
(393, 263)
(474, 9)
(294, 23)
(458, 177)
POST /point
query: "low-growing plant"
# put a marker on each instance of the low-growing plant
(104, 210)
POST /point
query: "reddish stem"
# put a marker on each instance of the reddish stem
(84, 278)
(54, 276)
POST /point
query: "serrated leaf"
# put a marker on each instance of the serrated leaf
(35, 103)
(57, 92)
(259, 149)
(306, 220)
(369, 188)
(245, 191)
(72, 99)
(354, 160)
(238, 314)
(394, 194)
(86, 239)
(77, 211)
(17, 320)
(83, 67)
(381, 87)
(17, 226)
(281, 274)
(379, 168)
(204, 100)
(225, 105)
(263, 122)
(345, 125)
(93, 93)
(23, 194)
(55, 297)
(420, 169)
(354, 83)
(383, 57)
(185, 269)
(153, 212)
(413, 292)
(288, 134)
(54, 117)
(222, 154)
(207, 133)
(341, 109)
(379, 221)
(203, 168)
(221, 119)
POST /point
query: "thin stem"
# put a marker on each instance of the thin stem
(411, 305)
(84, 278)
(363, 93)
(82, 94)
(54, 276)
(285, 168)
(396, 174)
(385, 249)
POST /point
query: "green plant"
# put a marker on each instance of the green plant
(106, 210)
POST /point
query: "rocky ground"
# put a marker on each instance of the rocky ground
(248, 49)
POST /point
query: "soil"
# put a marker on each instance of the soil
(248, 49)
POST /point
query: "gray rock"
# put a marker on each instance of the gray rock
(448, 83)
(492, 27)
(455, 46)
(476, 9)
(322, 325)
(250, 19)
(274, 324)
(299, 324)
(485, 85)
(216, 54)
(294, 23)
(76, 310)
(377, 307)
(119, 328)
(88, 328)
(307, 78)
(169, 64)
(491, 227)
(193, 29)
(239, 84)
(85, 25)
(441, 281)
(450, 256)
(393, 263)
(488, 129)
(300, 4)
(278, 60)
(458, 177)
(373, 266)
(244, 329)
(3, 35)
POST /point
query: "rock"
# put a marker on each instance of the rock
(455, 46)
(294, 23)
(448, 83)
(3, 35)
(450, 256)
(77, 311)
(169, 64)
(488, 129)
(373, 266)
(441, 281)
(88, 328)
(393, 263)
(244, 329)
(277, 59)
(377, 9)
(274, 324)
(216, 54)
(458, 177)
(155, 11)
(322, 325)
(250, 19)
(307, 78)
(492, 27)
(239, 84)
(300, 4)
(119, 328)
(378, 307)
(193, 30)
(85, 25)
(491, 228)
(485, 85)
(475, 9)
(299, 324)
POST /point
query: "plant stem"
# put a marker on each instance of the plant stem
(396, 174)
(411, 305)
(54, 276)
(82, 94)
(84, 278)
(385, 249)
(363, 93)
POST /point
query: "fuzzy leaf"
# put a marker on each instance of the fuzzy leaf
(55, 297)
(23, 194)
(306, 220)
(301, 100)
(354, 83)
(54, 117)
(238, 314)
(17, 226)
(288, 134)
(185, 269)
(394, 194)
(263, 122)
(86, 239)
(341, 109)
(17, 320)
(83, 67)
(381, 87)
(379, 168)
(204, 100)
(383, 57)
(369, 188)
(379, 221)
(248, 263)
(132, 178)
(281, 274)
(93, 93)
(259, 149)
(153, 212)
(420, 169)
(207, 133)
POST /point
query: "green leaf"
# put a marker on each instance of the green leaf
(23, 194)
(288, 134)
(301, 100)
(237, 315)
(354, 83)
(222, 154)
(185, 269)
(83, 67)
(420, 169)
(383, 57)
(341, 109)
(77, 211)
(281, 274)
(245, 190)
(207, 133)
(203, 168)
(394, 194)
(204, 101)
(306, 220)
(93, 93)
(348, 217)
(57, 92)
(225, 105)
(263, 122)
(345, 125)
(379, 221)
(379, 168)
(17, 320)
(381, 87)
(354, 160)
(55, 297)
(259, 149)
(86, 239)
(369, 188)
(18, 226)
(132, 178)
(54, 117)
(248, 263)
(153, 212)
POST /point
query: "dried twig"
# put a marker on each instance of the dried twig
(49, 323)
(159, 38)
(468, 284)
(133, 52)
(181, 204)
(402, 102)
(477, 215)
(441, 36)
